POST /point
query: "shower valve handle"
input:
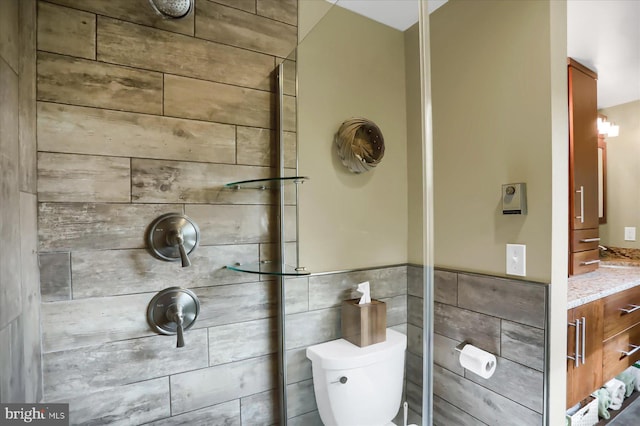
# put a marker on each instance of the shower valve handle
(173, 236)
(173, 311)
(177, 239)
(174, 314)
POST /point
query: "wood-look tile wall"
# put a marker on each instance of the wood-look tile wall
(20, 365)
(140, 116)
(502, 316)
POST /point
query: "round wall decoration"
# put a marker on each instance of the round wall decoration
(360, 144)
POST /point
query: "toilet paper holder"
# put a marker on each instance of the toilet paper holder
(461, 346)
(476, 360)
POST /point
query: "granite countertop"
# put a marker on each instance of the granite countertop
(606, 280)
(619, 270)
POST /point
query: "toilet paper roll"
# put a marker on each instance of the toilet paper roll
(478, 361)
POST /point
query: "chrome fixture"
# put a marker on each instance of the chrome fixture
(579, 354)
(173, 236)
(172, 9)
(172, 311)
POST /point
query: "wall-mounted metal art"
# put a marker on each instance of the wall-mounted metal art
(360, 144)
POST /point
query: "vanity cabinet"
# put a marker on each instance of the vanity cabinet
(621, 331)
(620, 352)
(583, 169)
(603, 340)
(584, 348)
(621, 311)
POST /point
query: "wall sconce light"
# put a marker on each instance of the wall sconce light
(608, 129)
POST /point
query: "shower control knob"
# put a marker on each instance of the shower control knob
(173, 311)
(172, 237)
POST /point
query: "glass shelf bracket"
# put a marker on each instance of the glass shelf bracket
(264, 184)
(267, 267)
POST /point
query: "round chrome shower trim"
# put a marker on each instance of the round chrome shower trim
(172, 9)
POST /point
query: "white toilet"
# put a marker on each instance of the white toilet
(358, 386)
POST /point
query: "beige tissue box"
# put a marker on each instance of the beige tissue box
(364, 325)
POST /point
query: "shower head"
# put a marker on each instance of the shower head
(172, 9)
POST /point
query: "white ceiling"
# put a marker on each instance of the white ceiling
(604, 35)
(601, 34)
(399, 14)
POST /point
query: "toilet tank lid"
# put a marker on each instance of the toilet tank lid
(341, 354)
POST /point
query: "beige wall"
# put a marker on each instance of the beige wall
(557, 306)
(309, 14)
(414, 145)
(500, 116)
(492, 125)
(623, 176)
(350, 66)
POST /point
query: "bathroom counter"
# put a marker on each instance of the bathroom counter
(611, 277)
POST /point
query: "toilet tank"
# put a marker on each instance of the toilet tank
(357, 386)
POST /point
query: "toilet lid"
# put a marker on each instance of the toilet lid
(341, 354)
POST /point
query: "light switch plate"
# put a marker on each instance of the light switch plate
(629, 233)
(517, 259)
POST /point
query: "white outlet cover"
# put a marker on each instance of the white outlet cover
(629, 233)
(517, 259)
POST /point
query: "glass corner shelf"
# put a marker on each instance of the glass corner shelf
(271, 183)
(267, 267)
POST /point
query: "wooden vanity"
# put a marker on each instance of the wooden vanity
(603, 336)
(583, 169)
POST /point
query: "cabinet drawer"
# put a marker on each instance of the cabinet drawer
(585, 239)
(615, 318)
(613, 360)
(585, 261)
(583, 378)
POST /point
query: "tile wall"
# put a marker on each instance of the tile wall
(505, 317)
(20, 367)
(140, 116)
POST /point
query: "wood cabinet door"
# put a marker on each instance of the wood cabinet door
(620, 311)
(614, 359)
(584, 261)
(587, 375)
(583, 148)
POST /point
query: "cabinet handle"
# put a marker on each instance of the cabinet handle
(576, 358)
(584, 340)
(628, 311)
(581, 217)
(590, 262)
(635, 349)
(590, 240)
